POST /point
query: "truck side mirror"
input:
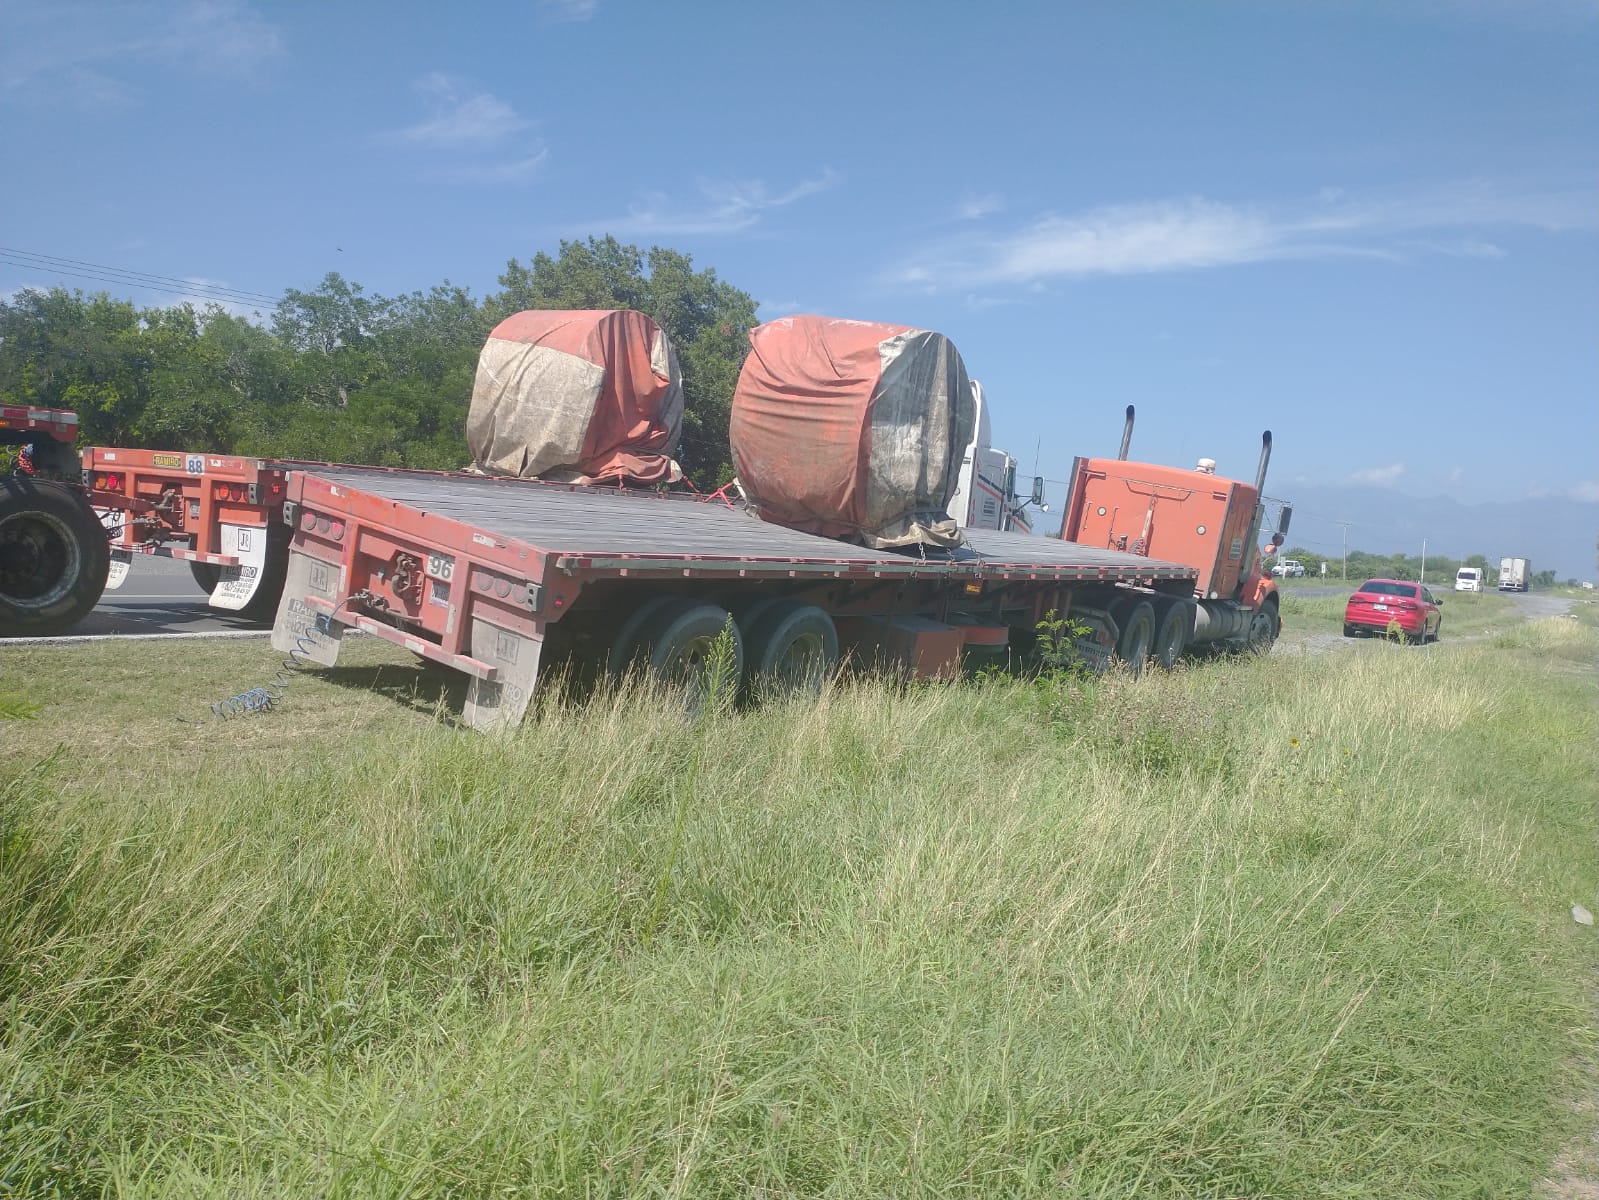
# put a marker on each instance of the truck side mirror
(1283, 518)
(1038, 491)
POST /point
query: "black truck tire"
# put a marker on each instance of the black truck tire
(791, 649)
(263, 606)
(1137, 623)
(1171, 635)
(206, 576)
(54, 557)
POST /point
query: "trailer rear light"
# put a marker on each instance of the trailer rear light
(107, 482)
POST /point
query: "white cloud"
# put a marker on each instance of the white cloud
(65, 51)
(482, 139)
(1378, 476)
(1587, 491)
(459, 117)
(724, 207)
(975, 208)
(1196, 233)
(568, 10)
(770, 309)
(512, 170)
(1471, 247)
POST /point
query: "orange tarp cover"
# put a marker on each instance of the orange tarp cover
(586, 397)
(853, 429)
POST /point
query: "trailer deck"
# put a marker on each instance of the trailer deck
(476, 572)
(602, 530)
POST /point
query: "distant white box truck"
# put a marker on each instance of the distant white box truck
(1513, 574)
(1468, 579)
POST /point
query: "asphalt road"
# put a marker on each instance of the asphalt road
(160, 597)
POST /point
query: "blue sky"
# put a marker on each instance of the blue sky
(1370, 226)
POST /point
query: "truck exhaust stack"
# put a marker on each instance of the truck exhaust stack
(1265, 457)
(1127, 434)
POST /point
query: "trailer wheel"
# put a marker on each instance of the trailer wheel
(1137, 634)
(206, 576)
(54, 557)
(680, 649)
(1171, 636)
(626, 648)
(791, 649)
(263, 606)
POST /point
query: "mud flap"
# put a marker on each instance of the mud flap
(121, 564)
(501, 703)
(296, 625)
(237, 585)
(121, 560)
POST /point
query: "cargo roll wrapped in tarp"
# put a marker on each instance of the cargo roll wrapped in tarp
(852, 429)
(584, 397)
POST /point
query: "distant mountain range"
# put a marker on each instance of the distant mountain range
(1555, 533)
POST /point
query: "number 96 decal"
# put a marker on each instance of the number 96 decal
(440, 566)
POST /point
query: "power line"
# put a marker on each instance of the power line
(100, 272)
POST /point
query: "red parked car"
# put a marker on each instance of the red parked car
(1379, 604)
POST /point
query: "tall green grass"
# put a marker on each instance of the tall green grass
(1286, 927)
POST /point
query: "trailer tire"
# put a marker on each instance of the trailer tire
(1137, 634)
(263, 606)
(679, 648)
(54, 557)
(206, 576)
(627, 648)
(1171, 636)
(791, 649)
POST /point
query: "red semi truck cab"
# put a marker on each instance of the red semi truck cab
(1190, 516)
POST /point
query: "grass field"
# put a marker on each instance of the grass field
(1288, 927)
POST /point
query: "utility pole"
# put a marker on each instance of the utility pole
(1423, 578)
(1346, 525)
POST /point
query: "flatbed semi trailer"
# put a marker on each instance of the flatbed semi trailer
(501, 579)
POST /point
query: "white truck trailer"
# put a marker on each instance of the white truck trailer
(1514, 574)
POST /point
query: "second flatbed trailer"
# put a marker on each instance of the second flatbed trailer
(501, 578)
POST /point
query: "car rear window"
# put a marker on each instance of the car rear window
(1381, 587)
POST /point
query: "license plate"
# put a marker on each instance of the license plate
(1380, 607)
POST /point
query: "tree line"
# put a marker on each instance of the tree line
(1439, 570)
(338, 374)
